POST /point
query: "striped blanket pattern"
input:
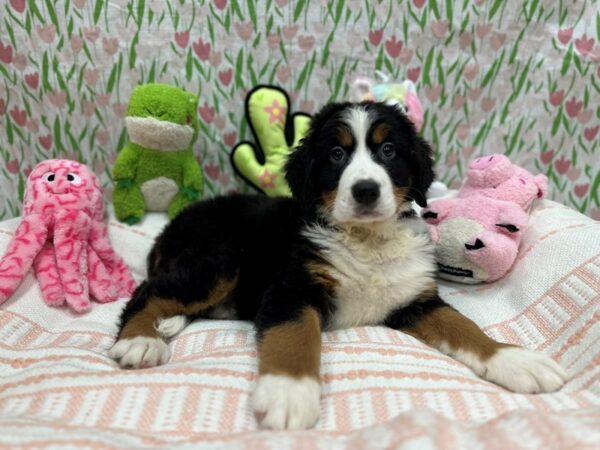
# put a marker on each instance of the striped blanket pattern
(381, 389)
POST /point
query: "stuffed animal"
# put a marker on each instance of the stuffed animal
(403, 94)
(276, 133)
(477, 233)
(156, 170)
(62, 234)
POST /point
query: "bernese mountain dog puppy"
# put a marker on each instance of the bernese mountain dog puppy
(346, 250)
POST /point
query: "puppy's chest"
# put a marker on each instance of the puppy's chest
(373, 276)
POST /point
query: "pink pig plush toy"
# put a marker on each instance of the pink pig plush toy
(477, 233)
(62, 234)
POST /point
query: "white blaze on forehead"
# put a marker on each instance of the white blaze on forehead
(362, 167)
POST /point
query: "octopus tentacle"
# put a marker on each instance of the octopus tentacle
(102, 287)
(48, 277)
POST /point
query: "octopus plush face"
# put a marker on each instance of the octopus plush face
(62, 185)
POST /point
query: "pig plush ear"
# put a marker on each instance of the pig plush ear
(541, 181)
(438, 211)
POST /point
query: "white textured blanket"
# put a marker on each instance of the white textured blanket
(381, 389)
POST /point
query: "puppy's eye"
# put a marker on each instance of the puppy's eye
(387, 151)
(337, 154)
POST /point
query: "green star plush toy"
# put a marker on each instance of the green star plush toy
(156, 170)
(276, 134)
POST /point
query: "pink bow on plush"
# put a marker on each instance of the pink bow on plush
(62, 234)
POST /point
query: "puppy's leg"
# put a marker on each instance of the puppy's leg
(441, 326)
(161, 307)
(288, 391)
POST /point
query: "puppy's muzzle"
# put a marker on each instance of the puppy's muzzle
(366, 192)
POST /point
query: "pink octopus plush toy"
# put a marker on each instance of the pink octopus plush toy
(63, 235)
(477, 234)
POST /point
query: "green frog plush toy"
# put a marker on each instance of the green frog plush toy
(156, 170)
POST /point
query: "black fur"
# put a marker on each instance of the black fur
(258, 239)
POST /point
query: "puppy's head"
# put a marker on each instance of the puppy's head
(360, 163)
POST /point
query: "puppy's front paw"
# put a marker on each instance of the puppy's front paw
(524, 371)
(140, 352)
(287, 403)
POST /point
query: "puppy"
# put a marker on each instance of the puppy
(347, 250)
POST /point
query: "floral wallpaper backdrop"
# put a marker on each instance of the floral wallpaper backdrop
(519, 77)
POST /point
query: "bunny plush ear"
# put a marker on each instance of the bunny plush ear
(362, 89)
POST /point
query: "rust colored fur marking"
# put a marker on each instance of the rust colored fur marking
(329, 200)
(292, 348)
(320, 274)
(430, 292)
(344, 137)
(380, 132)
(401, 195)
(446, 326)
(143, 323)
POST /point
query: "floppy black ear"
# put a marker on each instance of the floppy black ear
(298, 170)
(423, 171)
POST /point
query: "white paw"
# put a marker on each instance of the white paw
(168, 328)
(287, 403)
(524, 371)
(140, 352)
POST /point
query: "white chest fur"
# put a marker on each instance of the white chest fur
(376, 272)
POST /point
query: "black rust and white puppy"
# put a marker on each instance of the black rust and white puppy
(346, 251)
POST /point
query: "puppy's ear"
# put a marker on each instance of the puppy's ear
(298, 170)
(423, 171)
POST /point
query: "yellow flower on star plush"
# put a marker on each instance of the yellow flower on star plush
(267, 179)
(276, 112)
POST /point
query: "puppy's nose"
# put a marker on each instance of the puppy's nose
(365, 192)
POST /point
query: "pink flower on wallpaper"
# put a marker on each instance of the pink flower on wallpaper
(220, 121)
(214, 58)
(591, 133)
(556, 97)
(471, 71)
(375, 37)
(283, 73)
(230, 138)
(465, 39)
(32, 80)
(202, 49)
(482, 29)
(273, 41)
(584, 45)
(19, 61)
(2, 106)
(212, 171)
(488, 103)
(497, 40)
(244, 30)
(306, 43)
(419, 3)
(562, 165)
(88, 108)
(439, 28)
(110, 45)
(91, 33)
(220, 4)
(103, 99)
(458, 102)
(6, 53)
(433, 92)
(462, 131)
(19, 116)
(76, 44)
(547, 156)
(573, 107)
(282, 3)
(393, 47)
(474, 94)
(413, 74)
(467, 152)
(405, 56)
(207, 113)
(182, 38)
(33, 125)
(276, 112)
(90, 76)
(585, 116)
(225, 76)
(581, 189)
(573, 173)
(18, 5)
(79, 4)
(307, 106)
(565, 35)
(12, 166)
(46, 141)
(46, 32)
(595, 213)
(267, 179)
(289, 31)
(103, 136)
(119, 109)
(451, 159)
(27, 170)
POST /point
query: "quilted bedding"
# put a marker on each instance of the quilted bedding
(381, 389)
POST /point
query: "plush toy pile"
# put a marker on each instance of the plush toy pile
(477, 234)
(63, 235)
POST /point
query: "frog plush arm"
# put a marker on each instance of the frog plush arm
(276, 134)
(127, 196)
(191, 186)
(124, 169)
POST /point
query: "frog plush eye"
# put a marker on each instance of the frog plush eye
(74, 179)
